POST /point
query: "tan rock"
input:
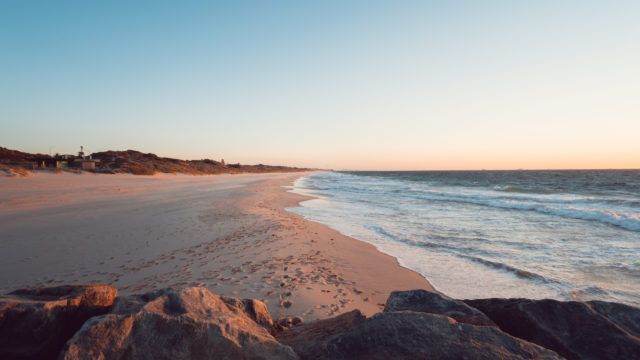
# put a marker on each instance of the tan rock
(255, 309)
(188, 324)
(35, 323)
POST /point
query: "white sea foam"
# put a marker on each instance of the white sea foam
(483, 240)
(558, 205)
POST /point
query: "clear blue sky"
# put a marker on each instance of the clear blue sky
(340, 84)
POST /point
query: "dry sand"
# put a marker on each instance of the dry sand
(230, 233)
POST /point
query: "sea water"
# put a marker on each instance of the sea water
(569, 235)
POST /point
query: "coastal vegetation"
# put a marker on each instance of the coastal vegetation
(126, 162)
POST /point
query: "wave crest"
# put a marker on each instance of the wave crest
(582, 209)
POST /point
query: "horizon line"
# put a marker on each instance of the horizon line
(368, 170)
(519, 169)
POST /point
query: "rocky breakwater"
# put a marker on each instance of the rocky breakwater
(575, 330)
(89, 322)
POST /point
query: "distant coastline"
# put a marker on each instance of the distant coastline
(18, 163)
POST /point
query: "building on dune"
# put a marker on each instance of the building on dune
(66, 161)
(85, 162)
(48, 163)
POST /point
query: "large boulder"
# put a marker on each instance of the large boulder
(188, 324)
(625, 316)
(310, 340)
(406, 335)
(254, 309)
(36, 323)
(434, 303)
(575, 330)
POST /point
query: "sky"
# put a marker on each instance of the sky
(377, 85)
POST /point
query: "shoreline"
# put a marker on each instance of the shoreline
(230, 233)
(373, 271)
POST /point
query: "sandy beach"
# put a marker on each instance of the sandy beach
(230, 233)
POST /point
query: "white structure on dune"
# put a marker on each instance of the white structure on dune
(85, 162)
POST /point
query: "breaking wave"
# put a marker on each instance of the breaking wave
(573, 208)
(562, 235)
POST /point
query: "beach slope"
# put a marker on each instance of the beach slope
(229, 233)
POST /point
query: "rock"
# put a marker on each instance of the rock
(255, 309)
(195, 324)
(188, 324)
(309, 340)
(287, 322)
(625, 316)
(575, 330)
(434, 303)
(415, 335)
(35, 323)
(404, 335)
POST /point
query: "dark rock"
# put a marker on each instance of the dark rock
(35, 323)
(434, 303)
(575, 330)
(405, 335)
(414, 335)
(309, 339)
(189, 324)
(625, 316)
(287, 322)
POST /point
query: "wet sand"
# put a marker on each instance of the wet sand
(230, 233)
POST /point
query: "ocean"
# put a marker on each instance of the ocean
(567, 235)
